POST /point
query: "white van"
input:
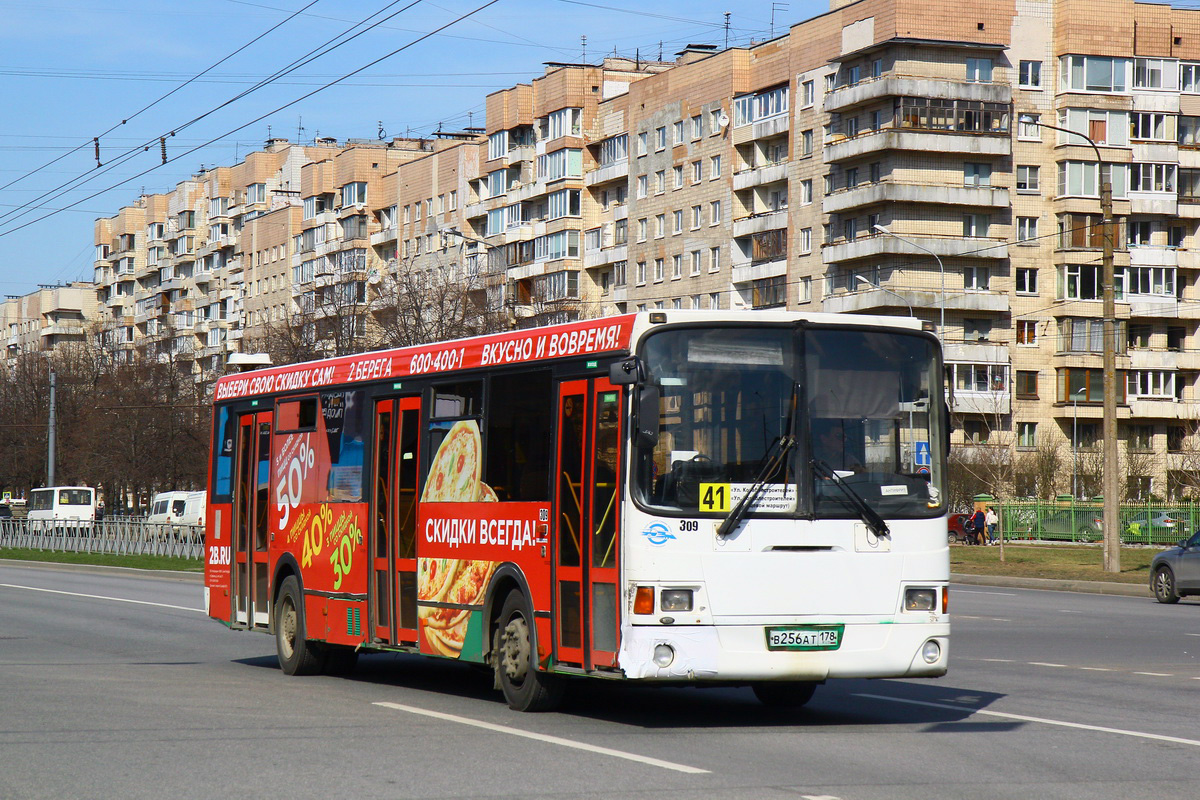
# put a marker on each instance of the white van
(65, 506)
(177, 508)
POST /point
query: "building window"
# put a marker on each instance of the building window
(1027, 435)
(1150, 383)
(979, 377)
(1085, 335)
(1094, 73)
(714, 260)
(1141, 438)
(1081, 385)
(979, 70)
(1026, 280)
(977, 174)
(714, 167)
(642, 139)
(1027, 332)
(660, 226)
(805, 241)
(1152, 177)
(1027, 229)
(977, 330)
(643, 186)
(697, 171)
(715, 212)
(1030, 75)
(641, 273)
(1028, 128)
(1152, 126)
(1154, 281)
(806, 143)
(1027, 385)
(1155, 73)
(976, 279)
(975, 226)
(807, 94)
(676, 267)
(697, 216)
(658, 270)
(660, 138)
(696, 259)
(1027, 178)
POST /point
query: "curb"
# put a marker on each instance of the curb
(1052, 584)
(131, 572)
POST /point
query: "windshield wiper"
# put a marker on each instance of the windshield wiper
(774, 460)
(865, 512)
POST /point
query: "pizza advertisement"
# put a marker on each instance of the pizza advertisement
(448, 591)
(454, 475)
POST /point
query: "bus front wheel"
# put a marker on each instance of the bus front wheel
(297, 655)
(784, 694)
(515, 660)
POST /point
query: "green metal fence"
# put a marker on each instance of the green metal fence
(1082, 521)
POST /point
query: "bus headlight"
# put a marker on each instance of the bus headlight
(675, 600)
(931, 651)
(664, 654)
(920, 599)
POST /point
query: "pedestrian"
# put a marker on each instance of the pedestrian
(992, 521)
(978, 526)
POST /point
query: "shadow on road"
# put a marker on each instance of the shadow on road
(941, 707)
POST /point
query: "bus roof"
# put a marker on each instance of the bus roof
(588, 337)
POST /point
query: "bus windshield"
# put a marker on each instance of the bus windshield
(864, 402)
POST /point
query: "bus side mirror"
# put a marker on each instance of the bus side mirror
(647, 416)
(626, 373)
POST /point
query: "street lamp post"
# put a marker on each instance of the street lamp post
(941, 269)
(1112, 533)
(873, 285)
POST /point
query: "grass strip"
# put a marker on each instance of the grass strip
(1062, 562)
(104, 559)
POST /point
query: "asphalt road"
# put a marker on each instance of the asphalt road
(114, 686)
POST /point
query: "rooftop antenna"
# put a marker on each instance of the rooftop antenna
(470, 119)
(777, 6)
(726, 30)
(382, 133)
(268, 133)
(660, 49)
(299, 129)
(583, 43)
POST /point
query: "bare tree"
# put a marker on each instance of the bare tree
(413, 306)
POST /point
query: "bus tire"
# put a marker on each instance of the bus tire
(297, 655)
(784, 694)
(515, 660)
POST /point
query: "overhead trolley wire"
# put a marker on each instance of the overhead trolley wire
(276, 110)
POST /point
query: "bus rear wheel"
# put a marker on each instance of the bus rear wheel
(515, 660)
(784, 694)
(297, 655)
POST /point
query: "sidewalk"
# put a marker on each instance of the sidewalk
(1089, 587)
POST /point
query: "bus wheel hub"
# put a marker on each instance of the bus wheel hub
(514, 655)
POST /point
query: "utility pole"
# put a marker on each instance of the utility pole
(1112, 482)
(50, 437)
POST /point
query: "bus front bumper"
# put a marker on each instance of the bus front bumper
(740, 653)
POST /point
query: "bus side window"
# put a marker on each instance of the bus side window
(344, 425)
(518, 449)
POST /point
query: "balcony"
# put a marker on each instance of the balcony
(606, 255)
(763, 129)
(891, 192)
(606, 174)
(966, 143)
(1152, 306)
(758, 223)
(869, 91)
(944, 246)
(759, 176)
(747, 271)
(1163, 409)
(866, 299)
(1163, 203)
(987, 403)
(383, 237)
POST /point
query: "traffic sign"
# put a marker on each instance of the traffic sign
(922, 457)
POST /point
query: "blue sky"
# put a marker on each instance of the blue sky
(72, 70)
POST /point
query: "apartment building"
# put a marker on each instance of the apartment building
(886, 157)
(46, 319)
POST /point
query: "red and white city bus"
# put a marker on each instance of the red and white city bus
(679, 497)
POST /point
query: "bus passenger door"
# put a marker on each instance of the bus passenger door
(393, 585)
(251, 504)
(586, 542)
(604, 499)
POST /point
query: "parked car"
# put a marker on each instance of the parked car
(1073, 524)
(1175, 573)
(5, 511)
(956, 527)
(1146, 527)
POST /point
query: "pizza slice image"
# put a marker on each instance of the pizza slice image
(435, 576)
(454, 473)
(445, 628)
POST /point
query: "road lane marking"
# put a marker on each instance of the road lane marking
(997, 660)
(541, 737)
(1043, 720)
(101, 597)
(1157, 674)
(986, 619)
(1045, 664)
(1097, 669)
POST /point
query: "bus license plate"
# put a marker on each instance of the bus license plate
(805, 637)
